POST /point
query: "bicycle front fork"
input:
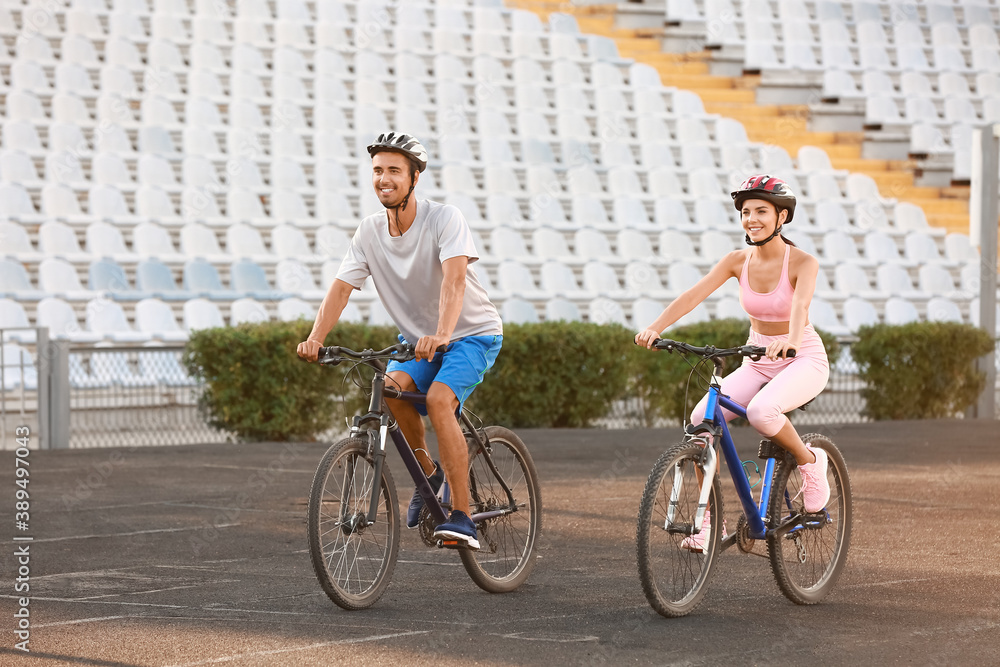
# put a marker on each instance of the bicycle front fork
(379, 454)
(711, 465)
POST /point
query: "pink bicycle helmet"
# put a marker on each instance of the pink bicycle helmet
(769, 189)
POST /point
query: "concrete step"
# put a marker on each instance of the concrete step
(945, 207)
(894, 183)
(727, 95)
(635, 47)
(545, 7)
(662, 57)
(595, 22)
(781, 125)
(839, 152)
(741, 111)
(953, 223)
(686, 76)
(859, 164)
(960, 192)
(783, 131)
(688, 68)
(832, 142)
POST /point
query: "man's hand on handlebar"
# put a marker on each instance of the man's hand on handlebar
(309, 349)
(428, 345)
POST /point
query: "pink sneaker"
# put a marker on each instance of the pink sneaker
(815, 487)
(696, 543)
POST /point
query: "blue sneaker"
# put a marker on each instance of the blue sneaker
(458, 532)
(417, 501)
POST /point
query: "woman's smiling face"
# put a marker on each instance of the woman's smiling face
(760, 217)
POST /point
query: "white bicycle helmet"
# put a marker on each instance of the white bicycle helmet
(401, 143)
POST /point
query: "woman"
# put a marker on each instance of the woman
(777, 281)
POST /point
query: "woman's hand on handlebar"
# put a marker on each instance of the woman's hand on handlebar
(646, 338)
(779, 349)
(309, 349)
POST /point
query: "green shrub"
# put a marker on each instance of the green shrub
(662, 378)
(556, 374)
(921, 370)
(256, 387)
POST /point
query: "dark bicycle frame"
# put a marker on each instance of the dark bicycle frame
(755, 512)
(380, 414)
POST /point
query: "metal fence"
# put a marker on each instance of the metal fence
(127, 396)
(19, 381)
(105, 396)
(97, 396)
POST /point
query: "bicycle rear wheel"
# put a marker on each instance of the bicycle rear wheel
(808, 560)
(353, 559)
(674, 578)
(507, 543)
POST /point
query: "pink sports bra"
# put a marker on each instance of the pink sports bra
(773, 306)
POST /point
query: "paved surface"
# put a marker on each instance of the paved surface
(196, 556)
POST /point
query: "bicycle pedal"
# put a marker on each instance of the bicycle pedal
(454, 544)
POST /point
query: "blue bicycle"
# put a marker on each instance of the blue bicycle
(807, 551)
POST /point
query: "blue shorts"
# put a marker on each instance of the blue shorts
(461, 367)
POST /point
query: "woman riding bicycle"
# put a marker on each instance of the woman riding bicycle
(777, 281)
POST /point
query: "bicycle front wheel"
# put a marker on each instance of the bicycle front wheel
(808, 560)
(353, 559)
(506, 553)
(674, 576)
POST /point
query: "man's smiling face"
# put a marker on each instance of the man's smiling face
(391, 174)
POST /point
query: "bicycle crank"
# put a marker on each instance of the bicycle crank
(744, 542)
(426, 526)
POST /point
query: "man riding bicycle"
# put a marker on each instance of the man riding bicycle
(419, 254)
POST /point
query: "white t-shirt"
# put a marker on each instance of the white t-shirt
(407, 271)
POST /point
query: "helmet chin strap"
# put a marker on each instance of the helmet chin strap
(402, 205)
(746, 237)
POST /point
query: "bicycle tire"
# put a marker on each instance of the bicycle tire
(354, 565)
(808, 561)
(507, 543)
(675, 579)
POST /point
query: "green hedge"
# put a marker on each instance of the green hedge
(921, 370)
(662, 378)
(556, 374)
(256, 387)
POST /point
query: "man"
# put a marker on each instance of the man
(419, 252)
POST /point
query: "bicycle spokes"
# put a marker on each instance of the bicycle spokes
(352, 556)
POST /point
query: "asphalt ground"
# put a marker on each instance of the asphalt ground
(197, 556)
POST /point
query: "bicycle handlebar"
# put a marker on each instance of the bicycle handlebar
(335, 354)
(711, 352)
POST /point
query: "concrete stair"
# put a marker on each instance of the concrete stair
(781, 125)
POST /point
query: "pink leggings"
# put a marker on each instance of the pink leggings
(791, 383)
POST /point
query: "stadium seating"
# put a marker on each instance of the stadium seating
(215, 164)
